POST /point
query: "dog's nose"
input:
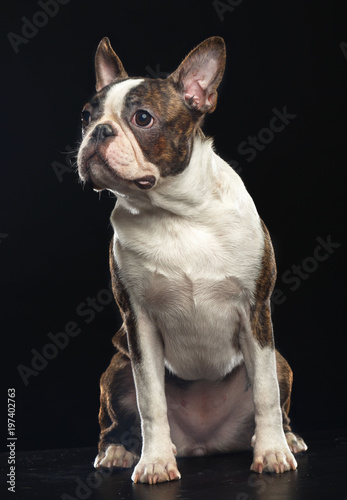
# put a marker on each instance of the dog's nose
(102, 131)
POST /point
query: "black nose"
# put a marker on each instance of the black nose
(102, 131)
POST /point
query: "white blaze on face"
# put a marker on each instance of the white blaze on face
(116, 95)
(119, 151)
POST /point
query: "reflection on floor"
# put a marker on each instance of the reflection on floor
(69, 475)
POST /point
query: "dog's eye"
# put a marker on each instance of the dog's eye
(143, 119)
(85, 118)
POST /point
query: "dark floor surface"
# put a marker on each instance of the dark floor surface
(69, 475)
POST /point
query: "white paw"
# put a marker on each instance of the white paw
(115, 456)
(156, 470)
(277, 458)
(296, 443)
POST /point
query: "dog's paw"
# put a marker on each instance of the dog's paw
(296, 443)
(277, 459)
(115, 456)
(155, 471)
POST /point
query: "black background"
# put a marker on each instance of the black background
(55, 235)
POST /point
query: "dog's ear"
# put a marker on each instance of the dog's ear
(200, 73)
(108, 66)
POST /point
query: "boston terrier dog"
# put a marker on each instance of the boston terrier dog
(195, 371)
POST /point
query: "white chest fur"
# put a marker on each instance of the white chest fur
(189, 254)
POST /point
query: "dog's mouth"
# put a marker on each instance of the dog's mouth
(146, 182)
(143, 183)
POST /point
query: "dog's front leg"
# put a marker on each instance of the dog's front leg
(271, 451)
(157, 463)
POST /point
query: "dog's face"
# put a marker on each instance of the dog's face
(138, 131)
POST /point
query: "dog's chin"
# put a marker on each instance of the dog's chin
(105, 181)
(90, 183)
(100, 177)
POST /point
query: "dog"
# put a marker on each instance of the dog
(196, 371)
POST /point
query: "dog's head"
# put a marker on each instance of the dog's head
(137, 131)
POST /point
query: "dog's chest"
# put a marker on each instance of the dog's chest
(173, 262)
(191, 278)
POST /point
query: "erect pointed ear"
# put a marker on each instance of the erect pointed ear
(108, 66)
(200, 73)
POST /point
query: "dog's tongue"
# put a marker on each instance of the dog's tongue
(145, 182)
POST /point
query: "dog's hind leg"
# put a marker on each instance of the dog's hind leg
(285, 380)
(120, 437)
